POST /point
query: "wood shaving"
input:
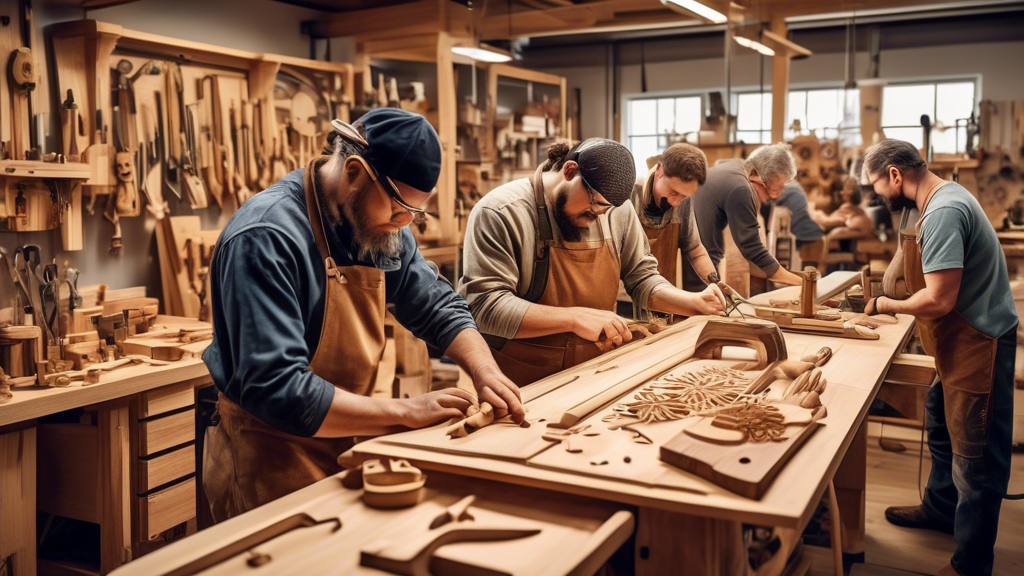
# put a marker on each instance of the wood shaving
(761, 422)
(675, 397)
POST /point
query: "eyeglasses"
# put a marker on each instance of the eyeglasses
(349, 132)
(594, 204)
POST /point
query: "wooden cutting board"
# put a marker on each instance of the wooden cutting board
(747, 469)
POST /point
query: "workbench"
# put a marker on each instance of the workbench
(131, 470)
(695, 523)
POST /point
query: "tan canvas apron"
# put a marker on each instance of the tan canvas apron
(664, 241)
(964, 357)
(584, 274)
(248, 463)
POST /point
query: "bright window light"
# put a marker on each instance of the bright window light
(699, 9)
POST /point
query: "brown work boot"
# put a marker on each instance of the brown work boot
(915, 517)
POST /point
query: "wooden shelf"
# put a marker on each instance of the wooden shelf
(44, 170)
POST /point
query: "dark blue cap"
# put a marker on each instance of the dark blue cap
(402, 146)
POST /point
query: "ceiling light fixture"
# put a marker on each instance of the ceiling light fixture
(483, 53)
(754, 45)
(702, 10)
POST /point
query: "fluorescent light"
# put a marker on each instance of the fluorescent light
(702, 10)
(483, 53)
(754, 45)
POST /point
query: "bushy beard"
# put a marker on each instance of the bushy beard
(897, 204)
(348, 218)
(570, 231)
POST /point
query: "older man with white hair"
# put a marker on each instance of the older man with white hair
(730, 197)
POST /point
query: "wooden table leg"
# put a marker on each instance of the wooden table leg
(18, 498)
(850, 482)
(114, 486)
(670, 543)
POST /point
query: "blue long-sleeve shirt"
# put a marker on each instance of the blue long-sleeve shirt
(268, 290)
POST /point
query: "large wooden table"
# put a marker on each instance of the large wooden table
(697, 508)
(110, 398)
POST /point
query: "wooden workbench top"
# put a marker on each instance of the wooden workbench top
(854, 375)
(35, 402)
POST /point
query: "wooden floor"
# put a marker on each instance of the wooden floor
(894, 551)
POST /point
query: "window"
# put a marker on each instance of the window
(945, 103)
(824, 111)
(655, 122)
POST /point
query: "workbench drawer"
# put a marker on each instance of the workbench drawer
(166, 399)
(166, 432)
(159, 470)
(166, 508)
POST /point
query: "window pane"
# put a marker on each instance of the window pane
(752, 137)
(748, 112)
(688, 114)
(913, 135)
(666, 115)
(945, 142)
(642, 149)
(797, 110)
(823, 109)
(766, 113)
(953, 102)
(643, 116)
(851, 108)
(904, 105)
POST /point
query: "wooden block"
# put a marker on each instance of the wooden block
(71, 221)
(81, 319)
(155, 348)
(69, 472)
(912, 369)
(160, 470)
(165, 399)
(166, 431)
(114, 306)
(167, 508)
(124, 294)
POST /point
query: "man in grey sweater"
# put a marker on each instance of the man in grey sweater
(730, 197)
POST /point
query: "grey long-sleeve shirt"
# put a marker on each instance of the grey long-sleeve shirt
(727, 199)
(500, 247)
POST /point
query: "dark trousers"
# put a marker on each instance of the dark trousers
(967, 492)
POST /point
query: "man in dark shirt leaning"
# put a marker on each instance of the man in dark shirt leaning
(794, 199)
(729, 197)
(299, 280)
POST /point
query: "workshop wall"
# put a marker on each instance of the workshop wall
(1000, 77)
(264, 26)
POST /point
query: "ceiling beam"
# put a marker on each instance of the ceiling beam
(600, 15)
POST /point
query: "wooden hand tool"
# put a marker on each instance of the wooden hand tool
(470, 424)
(22, 74)
(69, 127)
(100, 157)
(212, 161)
(193, 184)
(249, 144)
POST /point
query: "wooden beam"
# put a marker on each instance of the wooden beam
(576, 18)
(780, 85)
(781, 44)
(387, 20)
(447, 112)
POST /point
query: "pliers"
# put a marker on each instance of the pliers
(732, 299)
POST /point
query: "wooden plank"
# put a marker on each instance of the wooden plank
(69, 474)
(18, 498)
(167, 508)
(161, 470)
(916, 369)
(114, 486)
(447, 109)
(166, 399)
(166, 431)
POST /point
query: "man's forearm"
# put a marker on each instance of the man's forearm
(471, 352)
(922, 304)
(701, 262)
(783, 276)
(355, 415)
(543, 320)
(671, 300)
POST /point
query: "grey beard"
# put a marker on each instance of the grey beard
(369, 247)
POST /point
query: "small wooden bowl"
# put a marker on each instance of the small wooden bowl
(392, 484)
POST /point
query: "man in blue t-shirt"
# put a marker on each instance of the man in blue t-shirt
(967, 321)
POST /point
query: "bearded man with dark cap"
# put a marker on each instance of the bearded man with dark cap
(543, 258)
(299, 280)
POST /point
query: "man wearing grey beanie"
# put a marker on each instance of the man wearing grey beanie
(543, 258)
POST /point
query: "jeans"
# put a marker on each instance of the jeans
(967, 492)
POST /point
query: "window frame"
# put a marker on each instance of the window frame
(628, 99)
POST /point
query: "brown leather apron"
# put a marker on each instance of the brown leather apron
(664, 242)
(248, 463)
(584, 274)
(964, 357)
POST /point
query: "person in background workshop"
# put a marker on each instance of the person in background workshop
(544, 256)
(662, 200)
(300, 278)
(794, 199)
(967, 322)
(730, 197)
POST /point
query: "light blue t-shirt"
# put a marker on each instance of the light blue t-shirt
(956, 233)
